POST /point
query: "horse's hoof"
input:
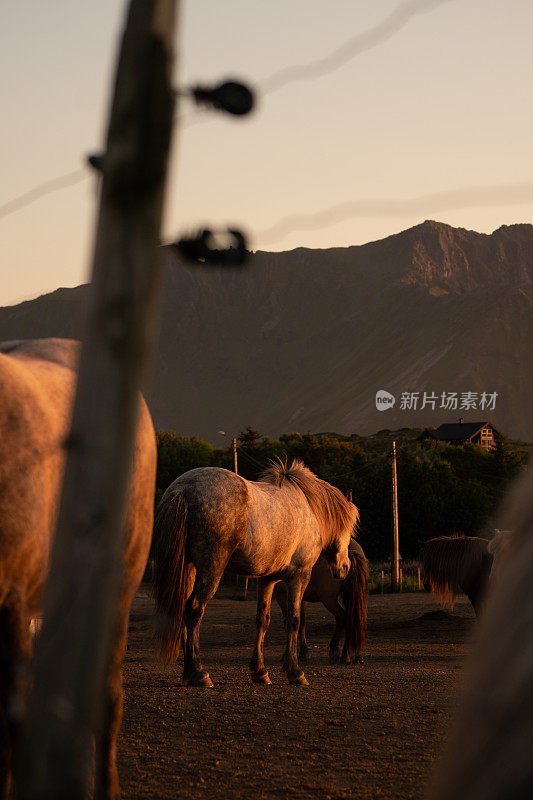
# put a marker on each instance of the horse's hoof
(201, 679)
(298, 680)
(261, 677)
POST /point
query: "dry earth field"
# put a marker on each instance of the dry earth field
(358, 731)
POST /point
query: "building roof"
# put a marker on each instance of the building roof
(459, 430)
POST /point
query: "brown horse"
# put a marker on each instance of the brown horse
(210, 519)
(455, 564)
(345, 599)
(37, 380)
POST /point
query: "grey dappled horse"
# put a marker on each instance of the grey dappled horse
(37, 380)
(210, 520)
(345, 599)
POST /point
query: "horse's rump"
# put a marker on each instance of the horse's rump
(451, 564)
(37, 383)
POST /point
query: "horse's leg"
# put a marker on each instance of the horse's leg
(106, 782)
(280, 593)
(340, 625)
(295, 589)
(205, 586)
(265, 588)
(15, 656)
(191, 576)
(304, 649)
(345, 655)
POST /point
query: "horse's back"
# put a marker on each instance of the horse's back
(64, 352)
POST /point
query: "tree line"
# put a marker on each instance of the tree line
(442, 488)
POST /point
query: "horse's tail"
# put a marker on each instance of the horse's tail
(354, 594)
(171, 584)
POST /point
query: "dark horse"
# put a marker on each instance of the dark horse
(37, 381)
(454, 564)
(210, 519)
(345, 599)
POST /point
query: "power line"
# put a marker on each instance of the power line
(449, 200)
(251, 458)
(54, 185)
(347, 51)
(350, 49)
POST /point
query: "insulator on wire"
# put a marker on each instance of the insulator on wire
(96, 160)
(202, 248)
(231, 96)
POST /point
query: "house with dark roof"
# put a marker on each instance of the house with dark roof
(481, 433)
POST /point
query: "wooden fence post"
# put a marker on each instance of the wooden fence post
(65, 709)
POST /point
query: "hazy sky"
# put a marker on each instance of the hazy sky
(444, 104)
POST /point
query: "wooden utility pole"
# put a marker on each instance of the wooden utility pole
(235, 466)
(65, 709)
(395, 557)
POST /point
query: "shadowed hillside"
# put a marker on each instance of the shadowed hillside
(302, 340)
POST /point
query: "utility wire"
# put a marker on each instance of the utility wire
(251, 459)
(54, 185)
(349, 50)
(353, 47)
(449, 200)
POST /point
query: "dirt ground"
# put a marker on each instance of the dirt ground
(358, 731)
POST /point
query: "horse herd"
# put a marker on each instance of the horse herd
(292, 531)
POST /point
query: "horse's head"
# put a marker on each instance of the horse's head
(338, 559)
(337, 551)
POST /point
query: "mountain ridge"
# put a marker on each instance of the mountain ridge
(302, 339)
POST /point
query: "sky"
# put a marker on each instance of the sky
(444, 104)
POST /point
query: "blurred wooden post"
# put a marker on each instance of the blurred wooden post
(395, 560)
(419, 577)
(66, 707)
(381, 581)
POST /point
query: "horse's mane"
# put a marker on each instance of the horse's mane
(447, 561)
(331, 508)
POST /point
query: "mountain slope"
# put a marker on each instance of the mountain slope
(302, 340)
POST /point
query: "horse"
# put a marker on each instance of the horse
(345, 599)
(488, 752)
(454, 564)
(210, 519)
(37, 381)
